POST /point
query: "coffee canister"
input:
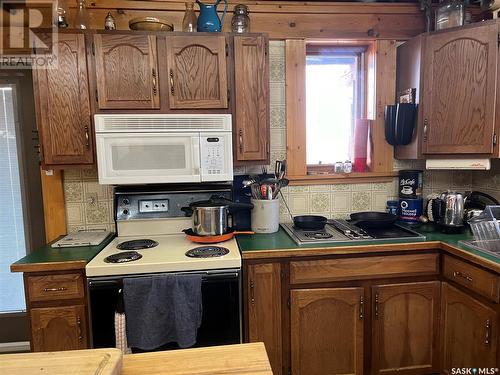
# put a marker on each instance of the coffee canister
(410, 184)
(410, 210)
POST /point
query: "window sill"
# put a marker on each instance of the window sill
(342, 178)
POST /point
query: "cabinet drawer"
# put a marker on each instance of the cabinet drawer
(54, 287)
(476, 279)
(316, 271)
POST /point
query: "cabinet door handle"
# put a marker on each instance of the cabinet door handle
(240, 140)
(487, 334)
(426, 123)
(60, 289)
(79, 326)
(153, 75)
(87, 138)
(463, 276)
(172, 82)
(252, 292)
(361, 307)
(376, 306)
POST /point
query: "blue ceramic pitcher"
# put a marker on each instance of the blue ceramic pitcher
(208, 19)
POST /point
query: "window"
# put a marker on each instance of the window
(330, 84)
(335, 98)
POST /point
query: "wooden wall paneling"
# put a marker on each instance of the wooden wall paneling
(281, 19)
(295, 57)
(54, 210)
(385, 93)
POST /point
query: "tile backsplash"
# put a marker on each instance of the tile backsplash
(89, 205)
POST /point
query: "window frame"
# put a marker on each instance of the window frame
(380, 90)
(360, 50)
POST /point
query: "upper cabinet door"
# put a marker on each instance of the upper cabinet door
(197, 72)
(459, 91)
(251, 70)
(126, 71)
(405, 326)
(63, 104)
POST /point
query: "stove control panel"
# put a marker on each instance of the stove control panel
(155, 205)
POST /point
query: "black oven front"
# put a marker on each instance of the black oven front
(221, 322)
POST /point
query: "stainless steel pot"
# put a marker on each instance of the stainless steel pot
(210, 218)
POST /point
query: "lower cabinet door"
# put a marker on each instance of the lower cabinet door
(327, 331)
(405, 328)
(470, 332)
(58, 328)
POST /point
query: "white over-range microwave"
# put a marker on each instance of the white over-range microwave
(163, 148)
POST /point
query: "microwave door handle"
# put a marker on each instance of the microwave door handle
(195, 143)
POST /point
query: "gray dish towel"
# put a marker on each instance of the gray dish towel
(162, 309)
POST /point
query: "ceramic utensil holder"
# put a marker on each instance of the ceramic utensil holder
(265, 215)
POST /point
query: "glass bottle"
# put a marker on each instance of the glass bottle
(189, 20)
(62, 9)
(82, 16)
(240, 23)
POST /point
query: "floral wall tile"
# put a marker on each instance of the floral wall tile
(73, 191)
(361, 201)
(319, 202)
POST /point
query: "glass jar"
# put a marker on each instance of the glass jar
(338, 167)
(240, 22)
(347, 166)
(450, 14)
(189, 20)
(82, 16)
(109, 22)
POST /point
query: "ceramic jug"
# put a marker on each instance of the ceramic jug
(208, 20)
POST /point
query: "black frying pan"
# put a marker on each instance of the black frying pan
(371, 219)
(309, 222)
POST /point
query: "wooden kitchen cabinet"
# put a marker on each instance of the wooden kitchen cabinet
(405, 321)
(251, 119)
(56, 304)
(58, 328)
(460, 70)
(264, 310)
(469, 329)
(197, 72)
(127, 74)
(326, 328)
(454, 73)
(62, 104)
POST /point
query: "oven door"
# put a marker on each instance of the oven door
(133, 158)
(221, 322)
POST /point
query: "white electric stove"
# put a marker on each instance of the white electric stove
(150, 238)
(169, 255)
(150, 243)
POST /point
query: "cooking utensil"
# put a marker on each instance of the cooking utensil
(372, 219)
(150, 24)
(213, 239)
(309, 222)
(210, 217)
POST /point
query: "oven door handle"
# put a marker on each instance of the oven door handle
(220, 276)
(103, 283)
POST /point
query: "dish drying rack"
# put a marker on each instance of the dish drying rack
(486, 230)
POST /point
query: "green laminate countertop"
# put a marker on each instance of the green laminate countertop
(279, 244)
(47, 258)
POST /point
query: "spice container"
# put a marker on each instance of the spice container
(338, 167)
(347, 166)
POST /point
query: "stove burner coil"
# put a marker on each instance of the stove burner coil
(318, 235)
(127, 256)
(137, 244)
(207, 252)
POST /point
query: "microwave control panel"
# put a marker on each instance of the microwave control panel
(214, 156)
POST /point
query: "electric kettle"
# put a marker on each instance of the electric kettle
(448, 211)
